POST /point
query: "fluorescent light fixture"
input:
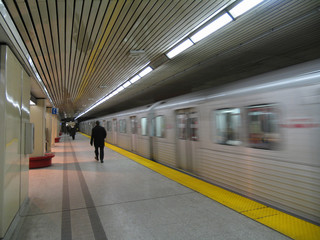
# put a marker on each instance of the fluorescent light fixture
(243, 7)
(127, 84)
(180, 48)
(215, 25)
(145, 71)
(135, 78)
(212, 27)
(119, 89)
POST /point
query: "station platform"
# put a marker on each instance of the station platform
(128, 197)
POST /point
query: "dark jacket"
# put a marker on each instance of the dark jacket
(97, 136)
(73, 131)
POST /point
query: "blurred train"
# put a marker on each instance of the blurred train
(259, 137)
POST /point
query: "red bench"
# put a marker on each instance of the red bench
(39, 162)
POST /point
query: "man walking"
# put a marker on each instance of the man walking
(97, 137)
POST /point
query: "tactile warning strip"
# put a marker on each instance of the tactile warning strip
(284, 223)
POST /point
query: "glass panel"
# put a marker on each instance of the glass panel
(133, 125)
(228, 125)
(263, 127)
(115, 127)
(122, 126)
(144, 126)
(109, 126)
(194, 129)
(182, 126)
(160, 127)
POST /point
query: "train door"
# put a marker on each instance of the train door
(114, 131)
(104, 124)
(133, 122)
(187, 137)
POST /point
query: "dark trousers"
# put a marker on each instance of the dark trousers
(96, 151)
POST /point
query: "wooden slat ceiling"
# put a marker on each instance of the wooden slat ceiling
(78, 46)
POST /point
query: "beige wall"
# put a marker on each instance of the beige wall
(14, 113)
(49, 125)
(56, 126)
(38, 118)
(53, 128)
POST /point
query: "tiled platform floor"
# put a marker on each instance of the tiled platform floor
(80, 198)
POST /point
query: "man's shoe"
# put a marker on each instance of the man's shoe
(101, 161)
(96, 158)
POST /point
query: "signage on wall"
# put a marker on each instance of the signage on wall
(55, 110)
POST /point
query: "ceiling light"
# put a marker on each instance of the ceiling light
(127, 84)
(119, 89)
(145, 71)
(135, 78)
(209, 28)
(212, 27)
(243, 7)
(180, 48)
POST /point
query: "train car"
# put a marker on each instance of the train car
(258, 137)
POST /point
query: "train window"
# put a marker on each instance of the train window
(160, 126)
(144, 124)
(263, 126)
(122, 126)
(193, 129)
(133, 125)
(228, 126)
(115, 125)
(182, 126)
(109, 126)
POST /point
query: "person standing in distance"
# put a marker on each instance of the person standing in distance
(97, 137)
(73, 132)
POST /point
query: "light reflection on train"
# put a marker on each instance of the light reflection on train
(258, 137)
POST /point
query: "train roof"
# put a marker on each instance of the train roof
(294, 76)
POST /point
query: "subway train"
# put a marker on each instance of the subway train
(258, 137)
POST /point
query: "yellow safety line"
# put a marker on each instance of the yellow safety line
(11, 142)
(284, 223)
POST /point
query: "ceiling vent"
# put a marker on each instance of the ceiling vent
(137, 53)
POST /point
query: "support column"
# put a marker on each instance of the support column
(58, 125)
(38, 118)
(54, 127)
(49, 128)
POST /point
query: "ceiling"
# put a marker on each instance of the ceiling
(81, 49)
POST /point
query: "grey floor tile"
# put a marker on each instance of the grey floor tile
(132, 202)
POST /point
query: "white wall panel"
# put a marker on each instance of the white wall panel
(12, 149)
(14, 113)
(25, 118)
(3, 132)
